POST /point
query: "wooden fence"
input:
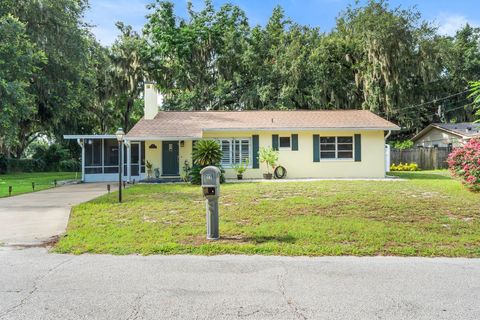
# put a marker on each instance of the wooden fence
(426, 158)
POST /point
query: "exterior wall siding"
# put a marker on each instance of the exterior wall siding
(439, 138)
(155, 155)
(299, 164)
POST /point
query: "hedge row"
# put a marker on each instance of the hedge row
(37, 165)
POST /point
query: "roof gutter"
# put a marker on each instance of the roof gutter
(302, 129)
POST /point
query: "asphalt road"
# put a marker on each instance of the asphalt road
(37, 285)
(39, 217)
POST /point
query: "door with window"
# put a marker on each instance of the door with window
(135, 159)
(170, 165)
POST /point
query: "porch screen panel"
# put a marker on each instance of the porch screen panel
(142, 157)
(124, 158)
(110, 156)
(93, 156)
(135, 159)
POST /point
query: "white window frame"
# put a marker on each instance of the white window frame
(231, 151)
(336, 149)
(285, 148)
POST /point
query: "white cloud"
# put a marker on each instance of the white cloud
(450, 23)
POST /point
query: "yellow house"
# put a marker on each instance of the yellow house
(311, 144)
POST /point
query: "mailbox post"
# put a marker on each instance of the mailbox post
(211, 192)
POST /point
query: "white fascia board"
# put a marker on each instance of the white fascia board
(89, 136)
(302, 129)
(157, 138)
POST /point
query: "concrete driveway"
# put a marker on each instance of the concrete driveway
(38, 217)
(37, 285)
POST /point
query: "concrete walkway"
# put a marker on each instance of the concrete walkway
(38, 217)
(38, 285)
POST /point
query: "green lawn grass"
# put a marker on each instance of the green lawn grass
(22, 182)
(428, 214)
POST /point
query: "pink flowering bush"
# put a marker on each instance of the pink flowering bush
(464, 163)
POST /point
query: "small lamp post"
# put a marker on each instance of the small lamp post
(120, 134)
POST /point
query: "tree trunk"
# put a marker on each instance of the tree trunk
(126, 115)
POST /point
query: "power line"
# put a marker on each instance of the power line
(436, 100)
(465, 105)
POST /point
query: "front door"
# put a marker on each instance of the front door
(135, 159)
(170, 165)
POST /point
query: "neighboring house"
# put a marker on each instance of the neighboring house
(311, 144)
(446, 135)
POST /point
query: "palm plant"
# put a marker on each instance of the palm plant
(207, 153)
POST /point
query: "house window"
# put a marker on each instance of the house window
(235, 151)
(336, 147)
(284, 142)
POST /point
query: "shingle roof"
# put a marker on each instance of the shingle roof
(467, 129)
(192, 123)
(463, 129)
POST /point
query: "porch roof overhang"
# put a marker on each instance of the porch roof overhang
(89, 136)
(160, 138)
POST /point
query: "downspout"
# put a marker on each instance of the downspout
(81, 142)
(388, 135)
(387, 152)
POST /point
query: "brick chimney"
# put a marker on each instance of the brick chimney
(152, 100)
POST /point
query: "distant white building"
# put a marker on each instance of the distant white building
(446, 134)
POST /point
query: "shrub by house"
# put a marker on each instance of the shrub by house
(464, 163)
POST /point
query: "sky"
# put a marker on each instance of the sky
(448, 15)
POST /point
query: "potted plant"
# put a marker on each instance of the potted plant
(270, 158)
(240, 168)
(185, 172)
(149, 169)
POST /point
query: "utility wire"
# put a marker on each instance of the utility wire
(436, 100)
(465, 105)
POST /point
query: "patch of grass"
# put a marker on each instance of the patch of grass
(428, 214)
(22, 182)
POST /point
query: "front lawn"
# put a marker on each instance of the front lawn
(22, 182)
(427, 215)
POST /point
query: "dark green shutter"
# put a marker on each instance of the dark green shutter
(255, 148)
(316, 148)
(294, 142)
(194, 142)
(358, 147)
(275, 141)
